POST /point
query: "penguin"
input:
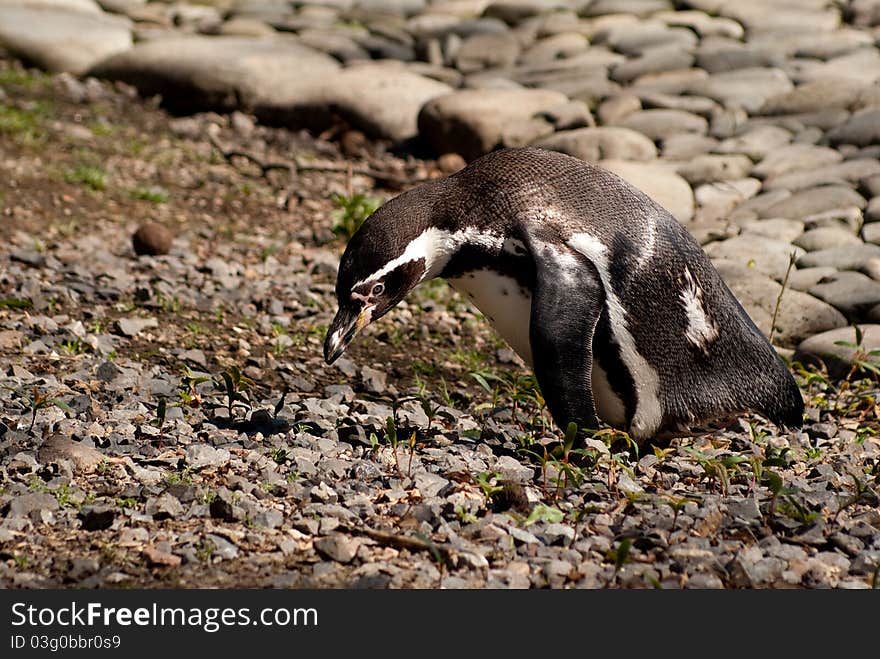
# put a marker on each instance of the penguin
(614, 305)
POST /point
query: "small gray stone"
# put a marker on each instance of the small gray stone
(854, 170)
(555, 47)
(669, 82)
(512, 470)
(199, 456)
(221, 547)
(872, 211)
(107, 372)
(556, 533)
(687, 145)
(338, 547)
(746, 509)
(323, 493)
(133, 326)
(374, 380)
(569, 116)
(756, 142)
(97, 518)
(216, 71)
(83, 454)
(25, 505)
(719, 54)
(652, 60)
(525, 131)
(430, 485)
(269, 518)
(484, 51)
(617, 107)
(165, 506)
(814, 97)
(871, 233)
(196, 356)
(522, 537)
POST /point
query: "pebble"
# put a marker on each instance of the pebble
(199, 456)
(57, 447)
(133, 326)
(165, 506)
(151, 238)
(338, 547)
(97, 518)
(159, 558)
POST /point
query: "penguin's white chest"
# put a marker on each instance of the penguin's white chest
(504, 303)
(508, 306)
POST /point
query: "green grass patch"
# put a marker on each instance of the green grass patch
(351, 212)
(87, 175)
(27, 79)
(15, 303)
(153, 195)
(23, 125)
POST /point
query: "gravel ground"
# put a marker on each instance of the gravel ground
(167, 420)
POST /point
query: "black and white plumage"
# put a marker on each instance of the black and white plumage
(616, 307)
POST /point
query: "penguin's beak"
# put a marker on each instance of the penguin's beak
(347, 323)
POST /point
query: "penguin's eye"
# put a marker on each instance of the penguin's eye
(378, 289)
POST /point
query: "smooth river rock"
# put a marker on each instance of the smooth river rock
(838, 349)
(800, 315)
(660, 182)
(600, 143)
(68, 40)
(473, 121)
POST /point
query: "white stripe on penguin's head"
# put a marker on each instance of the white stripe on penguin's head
(435, 246)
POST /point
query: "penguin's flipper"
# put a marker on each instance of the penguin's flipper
(566, 305)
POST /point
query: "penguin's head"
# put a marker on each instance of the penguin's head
(385, 259)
